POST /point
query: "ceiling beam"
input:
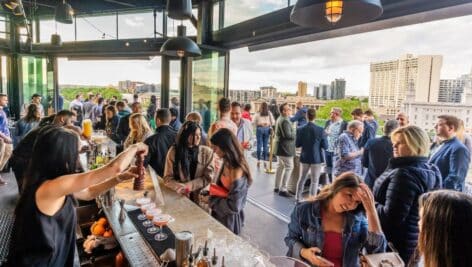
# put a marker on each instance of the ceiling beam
(275, 29)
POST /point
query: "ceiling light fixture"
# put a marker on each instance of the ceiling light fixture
(64, 13)
(181, 46)
(179, 9)
(326, 13)
(11, 4)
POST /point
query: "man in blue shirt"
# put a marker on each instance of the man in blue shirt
(450, 155)
(369, 131)
(6, 146)
(300, 116)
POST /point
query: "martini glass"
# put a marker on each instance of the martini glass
(144, 209)
(141, 202)
(150, 214)
(161, 220)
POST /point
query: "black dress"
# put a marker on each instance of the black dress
(39, 239)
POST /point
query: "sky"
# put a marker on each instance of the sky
(315, 62)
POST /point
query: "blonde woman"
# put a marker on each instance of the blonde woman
(396, 191)
(139, 130)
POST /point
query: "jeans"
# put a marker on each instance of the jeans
(315, 171)
(262, 135)
(283, 172)
(330, 158)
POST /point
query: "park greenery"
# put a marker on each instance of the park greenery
(107, 92)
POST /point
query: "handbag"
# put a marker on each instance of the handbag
(386, 259)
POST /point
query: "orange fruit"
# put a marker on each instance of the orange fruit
(98, 229)
(102, 221)
(108, 233)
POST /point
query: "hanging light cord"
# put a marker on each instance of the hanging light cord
(97, 29)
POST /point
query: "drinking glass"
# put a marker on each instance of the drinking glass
(141, 202)
(150, 214)
(161, 220)
(87, 128)
(144, 208)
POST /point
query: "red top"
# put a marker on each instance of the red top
(333, 248)
(246, 115)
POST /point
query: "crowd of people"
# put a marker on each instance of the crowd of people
(401, 188)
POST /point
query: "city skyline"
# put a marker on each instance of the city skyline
(315, 62)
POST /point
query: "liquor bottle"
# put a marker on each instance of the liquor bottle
(204, 262)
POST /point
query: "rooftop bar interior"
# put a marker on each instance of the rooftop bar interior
(196, 38)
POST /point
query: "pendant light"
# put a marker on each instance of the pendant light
(326, 13)
(179, 9)
(64, 13)
(56, 38)
(181, 46)
(11, 4)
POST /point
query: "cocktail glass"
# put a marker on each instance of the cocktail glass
(141, 202)
(144, 208)
(161, 220)
(150, 214)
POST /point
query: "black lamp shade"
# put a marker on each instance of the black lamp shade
(180, 47)
(18, 10)
(56, 40)
(10, 4)
(179, 9)
(64, 13)
(312, 13)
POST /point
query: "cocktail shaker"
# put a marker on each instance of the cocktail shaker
(183, 241)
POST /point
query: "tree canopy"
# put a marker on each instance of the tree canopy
(107, 92)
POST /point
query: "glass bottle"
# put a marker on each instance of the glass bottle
(204, 261)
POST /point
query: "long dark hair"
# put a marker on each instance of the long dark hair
(182, 151)
(445, 232)
(345, 180)
(31, 114)
(264, 109)
(225, 140)
(55, 153)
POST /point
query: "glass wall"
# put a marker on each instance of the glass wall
(3, 27)
(208, 73)
(34, 80)
(3, 73)
(138, 25)
(50, 27)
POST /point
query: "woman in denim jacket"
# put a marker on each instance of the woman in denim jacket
(332, 229)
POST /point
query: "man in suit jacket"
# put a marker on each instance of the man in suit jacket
(377, 153)
(450, 155)
(160, 142)
(312, 139)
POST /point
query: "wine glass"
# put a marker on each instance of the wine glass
(161, 220)
(150, 214)
(141, 202)
(144, 208)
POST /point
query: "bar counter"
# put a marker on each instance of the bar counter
(188, 217)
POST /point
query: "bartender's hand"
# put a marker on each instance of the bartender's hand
(309, 255)
(183, 189)
(130, 173)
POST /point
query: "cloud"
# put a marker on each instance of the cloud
(341, 57)
(135, 21)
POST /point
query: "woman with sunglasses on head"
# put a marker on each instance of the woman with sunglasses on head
(189, 165)
(139, 130)
(397, 189)
(234, 178)
(45, 216)
(331, 229)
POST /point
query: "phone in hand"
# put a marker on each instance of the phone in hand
(324, 262)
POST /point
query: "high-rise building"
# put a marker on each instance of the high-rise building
(268, 92)
(451, 90)
(302, 86)
(129, 86)
(335, 90)
(390, 81)
(338, 88)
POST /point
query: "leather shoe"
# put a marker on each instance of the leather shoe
(284, 194)
(276, 190)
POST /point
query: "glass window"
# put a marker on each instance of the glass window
(96, 28)
(208, 85)
(3, 66)
(50, 27)
(138, 25)
(34, 79)
(235, 12)
(3, 27)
